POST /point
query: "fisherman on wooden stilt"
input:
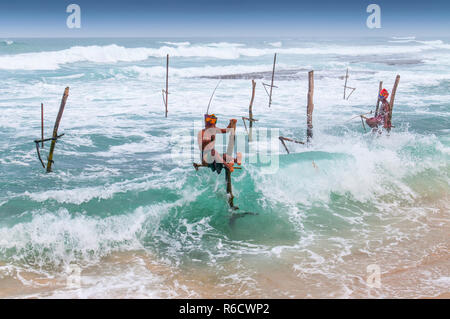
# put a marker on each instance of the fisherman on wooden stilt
(213, 159)
(382, 118)
(207, 141)
(383, 113)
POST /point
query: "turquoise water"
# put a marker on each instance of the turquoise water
(123, 185)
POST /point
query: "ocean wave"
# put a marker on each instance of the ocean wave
(430, 42)
(366, 171)
(6, 42)
(60, 238)
(111, 54)
(55, 239)
(86, 194)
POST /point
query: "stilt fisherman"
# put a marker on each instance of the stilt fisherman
(382, 118)
(207, 141)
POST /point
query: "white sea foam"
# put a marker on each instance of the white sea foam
(61, 238)
(225, 45)
(85, 194)
(404, 38)
(366, 172)
(178, 44)
(437, 43)
(278, 44)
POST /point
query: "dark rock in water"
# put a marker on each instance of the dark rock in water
(284, 75)
(280, 75)
(400, 62)
(390, 60)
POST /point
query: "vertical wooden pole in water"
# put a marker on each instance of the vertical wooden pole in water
(229, 188)
(55, 130)
(230, 146)
(167, 83)
(230, 158)
(391, 103)
(345, 85)
(310, 107)
(250, 111)
(42, 124)
(378, 101)
(273, 75)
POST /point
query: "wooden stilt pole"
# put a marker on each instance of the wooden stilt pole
(229, 189)
(284, 144)
(55, 129)
(310, 107)
(353, 90)
(282, 139)
(245, 124)
(378, 99)
(230, 146)
(250, 112)
(290, 140)
(363, 125)
(167, 83)
(42, 124)
(273, 74)
(230, 158)
(345, 85)
(391, 103)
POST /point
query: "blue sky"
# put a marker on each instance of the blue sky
(188, 18)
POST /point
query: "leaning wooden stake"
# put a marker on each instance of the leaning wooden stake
(363, 125)
(347, 87)
(273, 74)
(166, 91)
(271, 83)
(42, 124)
(250, 112)
(378, 99)
(391, 103)
(55, 129)
(310, 107)
(282, 139)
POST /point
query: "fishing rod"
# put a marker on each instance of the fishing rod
(212, 95)
(358, 116)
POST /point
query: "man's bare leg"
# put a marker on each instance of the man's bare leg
(238, 159)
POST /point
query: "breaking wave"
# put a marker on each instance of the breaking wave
(110, 54)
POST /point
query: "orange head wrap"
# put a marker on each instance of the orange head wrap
(384, 94)
(210, 119)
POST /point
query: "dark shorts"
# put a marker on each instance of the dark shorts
(216, 167)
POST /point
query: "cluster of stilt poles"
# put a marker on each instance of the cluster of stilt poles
(251, 120)
(391, 104)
